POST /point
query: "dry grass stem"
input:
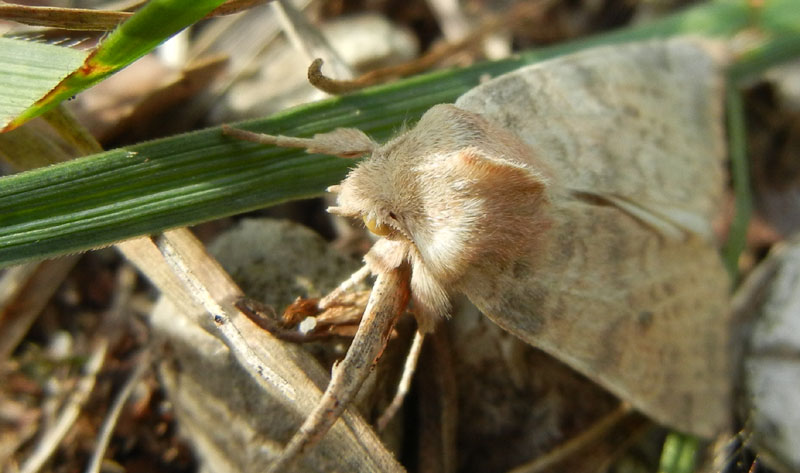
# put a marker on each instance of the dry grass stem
(578, 443)
(308, 39)
(517, 15)
(107, 429)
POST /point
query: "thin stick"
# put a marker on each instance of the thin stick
(573, 445)
(388, 299)
(308, 39)
(104, 436)
(405, 381)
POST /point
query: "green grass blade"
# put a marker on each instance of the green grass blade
(740, 175)
(678, 454)
(29, 70)
(189, 178)
(149, 27)
(186, 179)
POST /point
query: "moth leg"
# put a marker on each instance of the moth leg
(405, 381)
(345, 286)
(342, 142)
(264, 316)
(340, 318)
(389, 298)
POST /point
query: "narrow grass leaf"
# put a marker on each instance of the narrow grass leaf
(191, 178)
(153, 24)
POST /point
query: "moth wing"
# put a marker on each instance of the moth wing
(630, 290)
(640, 313)
(642, 120)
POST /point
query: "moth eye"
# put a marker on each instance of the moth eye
(375, 227)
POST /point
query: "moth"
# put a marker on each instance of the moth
(571, 201)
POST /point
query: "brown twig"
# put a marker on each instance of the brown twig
(84, 19)
(107, 429)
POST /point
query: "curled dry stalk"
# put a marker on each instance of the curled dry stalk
(520, 13)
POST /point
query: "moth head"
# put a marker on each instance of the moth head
(449, 194)
(376, 193)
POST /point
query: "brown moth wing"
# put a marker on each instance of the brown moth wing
(642, 315)
(641, 120)
(641, 312)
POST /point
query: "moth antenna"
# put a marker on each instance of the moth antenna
(342, 142)
(336, 210)
(245, 135)
(334, 189)
(409, 368)
(387, 301)
(266, 139)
